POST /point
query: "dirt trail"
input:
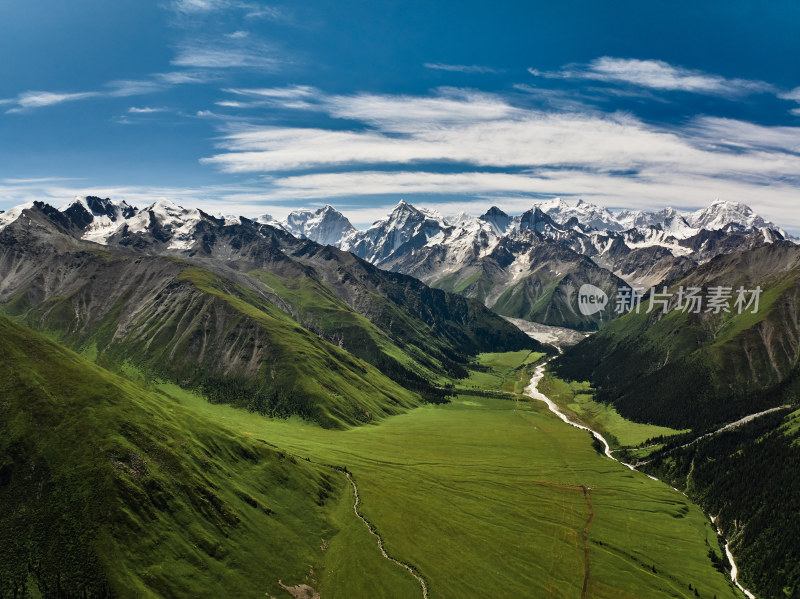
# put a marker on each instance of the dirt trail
(374, 533)
(586, 564)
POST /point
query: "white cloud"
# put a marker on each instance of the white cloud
(238, 53)
(27, 101)
(657, 74)
(252, 10)
(261, 11)
(793, 95)
(459, 68)
(616, 159)
(185, 77)
(417, 114)
(486, 132)
(290, 92)
(133, 87)
(37, 99)
(746, 136)
(145, 110)
(198, 6)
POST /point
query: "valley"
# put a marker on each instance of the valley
(483, 495)
(399, 300)
(394, 439)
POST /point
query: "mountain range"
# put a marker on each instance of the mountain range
(528, 266)
(242, 311)
(531, 265)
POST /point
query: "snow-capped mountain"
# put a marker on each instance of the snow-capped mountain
(721, 215)
(268, 219)
(513, 263)
(406, 227)
(325, 225)
(555, 218)
(523, 266)
(104, 221)
(587, 214)
(498, 220)
(98, 217)
(11, 215)
(168, 222)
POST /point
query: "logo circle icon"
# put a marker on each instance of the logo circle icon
(591, 299)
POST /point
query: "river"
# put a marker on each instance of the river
(532, 390)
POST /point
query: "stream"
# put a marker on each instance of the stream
(375, 534)
(532, 390)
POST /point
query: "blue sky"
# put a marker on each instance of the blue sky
(244, 107)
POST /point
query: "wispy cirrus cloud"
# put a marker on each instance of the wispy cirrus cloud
(296, 97)
(211, 53)
(398, 112)
(37, 99)
(398, 145)
(460, 68)
(121, 88)
(658, 75)
(253, 10)
(282, 93)
(793, 94)
(145, 110)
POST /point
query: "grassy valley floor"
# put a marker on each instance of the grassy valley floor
(576, 400)
(110, 487)
(496, 497)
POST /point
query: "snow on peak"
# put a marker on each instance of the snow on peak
(324, 225)
(587, 214)
(498, 220)
(463, 220)
(721, 214)
(176, 222)
(406, 222)
(675, 225)
(268, 219)
(97, 217)
(8, 217)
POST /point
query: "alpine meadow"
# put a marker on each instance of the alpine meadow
(416, 300)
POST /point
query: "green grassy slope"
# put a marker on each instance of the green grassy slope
(747, 477)
(576, 400)
(694, 370)
(702, 371)
(491, 497)
(406, 358)
(110, 490)
(187, 324)
(274, 324)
